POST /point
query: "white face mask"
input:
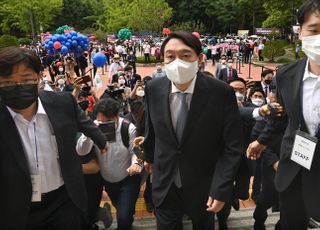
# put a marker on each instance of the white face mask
(121, 81)
(181, 72)
(311, 47)
(140, 93)
(240, 97)
(61, 81)
(60, 69)
(257, 102)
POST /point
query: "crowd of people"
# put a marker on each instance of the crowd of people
(193, 138)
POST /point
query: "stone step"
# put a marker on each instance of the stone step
(238, 220)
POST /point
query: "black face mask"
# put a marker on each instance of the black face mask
(84, 105)
(268, 82)
(19, 96)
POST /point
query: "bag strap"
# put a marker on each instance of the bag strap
(124, 130)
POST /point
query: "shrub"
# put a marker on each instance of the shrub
(273, 49)
(8, 40)
(140, 59)
(24, 41)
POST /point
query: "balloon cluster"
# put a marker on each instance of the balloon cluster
(166, 31)
(63, 29)
(70, 42)
(124, 34)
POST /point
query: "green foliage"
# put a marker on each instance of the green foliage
(24, 41)
(281, 13)
(140, 59)
(137, 15)
(273, 49)
(8, 40)
(190, 26)
(17, 14)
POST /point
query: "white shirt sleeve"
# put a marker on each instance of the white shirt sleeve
(84, 145)
(256, 115)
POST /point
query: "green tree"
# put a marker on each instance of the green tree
(137, 15)
(281, 13)
(18, 14)
(273, 49)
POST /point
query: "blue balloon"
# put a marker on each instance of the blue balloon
(60, 38)
(74, 43)
(99, 59)
(46, 47)
(69, 36)
(46, 41)
(68, 44)
(74, 38)
(73, 33)
(50, 44)
(64, 49)
(69, 40)
(54, 38)
(79, 38)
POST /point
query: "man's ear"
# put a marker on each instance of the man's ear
(300, 35)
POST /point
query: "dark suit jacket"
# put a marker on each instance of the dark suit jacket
(66, 119)
(289, 83)
(211, 146)
(223, 76)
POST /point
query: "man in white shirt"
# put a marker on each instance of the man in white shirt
(41, 178)
(298, 89)
(146, 51)
(119, 166)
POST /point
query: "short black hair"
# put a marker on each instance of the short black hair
(266, 72)
(12, 56)
(238, 79)
(307, 8)
(256, 89)
(128, 68)
(187, 38)
(108, 107)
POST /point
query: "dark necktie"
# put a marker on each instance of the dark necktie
(230, 74)
(182, 115)
(181, 121)
(266, 90)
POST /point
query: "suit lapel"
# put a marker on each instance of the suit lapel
(198, 103)
(10, 135)
(296, 88)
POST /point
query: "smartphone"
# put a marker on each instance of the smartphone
(109, 130)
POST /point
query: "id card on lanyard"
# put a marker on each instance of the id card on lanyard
(303, 149)
(36, 177)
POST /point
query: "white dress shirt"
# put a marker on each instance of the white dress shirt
(311, 100)
(175, 101)
(40, 147)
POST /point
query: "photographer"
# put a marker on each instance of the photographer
(118, 166)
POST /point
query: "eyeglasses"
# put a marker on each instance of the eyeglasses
(13, 83)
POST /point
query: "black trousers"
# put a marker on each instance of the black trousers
(169, 214)
(56, 211)
(267, 198)
(292, 208)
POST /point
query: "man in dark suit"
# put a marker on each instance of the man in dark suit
(41, 177)
(298, 92)
(193, 138)
(229, 73)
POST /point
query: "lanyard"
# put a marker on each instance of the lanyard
(36, 147)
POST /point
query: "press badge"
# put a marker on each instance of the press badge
(303, 149)
(36, 188)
